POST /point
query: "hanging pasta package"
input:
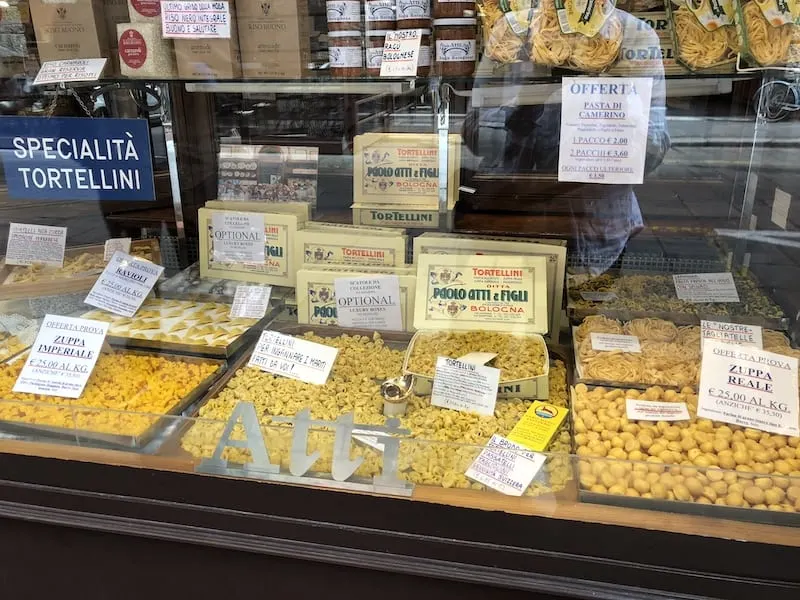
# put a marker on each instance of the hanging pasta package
(505, 28)
(770, 32)
(584, 35)
(704, 32)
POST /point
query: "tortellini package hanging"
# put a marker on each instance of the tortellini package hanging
(770, 32)
(704, 32)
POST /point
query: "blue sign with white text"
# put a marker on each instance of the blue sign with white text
(71, 158)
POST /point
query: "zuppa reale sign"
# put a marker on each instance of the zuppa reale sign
(77, 158)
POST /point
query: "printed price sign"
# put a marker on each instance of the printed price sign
(124, 284)
(505, 466)
(604, 129)
(116, 245)
(62, 357)
(465, 386)
(749, 387)
(250, 302)
(732, 333)
(705, 287)
(75, 69)
(35, 244)
(293, 357)
(611, 342)
(645, 410)
(238, 237)
(195, 20)
(369, 302)
(401, 53)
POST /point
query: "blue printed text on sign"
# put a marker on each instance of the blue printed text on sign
(77, 158)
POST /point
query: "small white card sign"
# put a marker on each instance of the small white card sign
(401, 53)
(124, 284)
(195, 20)
(749, 387)
(238, 237)
(705, 287)
(369, 302)
(293, 357)
(460, 385)
(116, 244)
(611, 342)
(74, 69)
(732, 333)
(62, 357)
(506, 466)
(250, 301)
(604, 125)
(645, 410)
(35, 244)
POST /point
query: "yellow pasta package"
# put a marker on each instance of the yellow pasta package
(505, 28)
(704, 32)
(769, 31)
(584, 35)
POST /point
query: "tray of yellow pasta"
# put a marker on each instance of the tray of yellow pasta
(693, 465)
(82, 265)
(128, 402)
(186, 326)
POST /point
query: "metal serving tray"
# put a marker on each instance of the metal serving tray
(138, 442)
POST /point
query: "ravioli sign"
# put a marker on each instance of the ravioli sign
(77, 159)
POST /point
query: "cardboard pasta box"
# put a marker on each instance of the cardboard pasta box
(274, 38)
(67, 29)
(316, 297)
(354, 249)
(279, 268)
(409, 216)
(210, 58)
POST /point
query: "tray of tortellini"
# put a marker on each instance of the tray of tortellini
(632, 295)
(695, 466)
(82, 265)
(202, 328)
(440, 447)
(130, 400)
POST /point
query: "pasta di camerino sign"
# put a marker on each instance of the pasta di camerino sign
(77, 158)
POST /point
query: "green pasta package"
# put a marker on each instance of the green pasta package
(584, 35)
(704, 32)
(505, 28)
(770, 32)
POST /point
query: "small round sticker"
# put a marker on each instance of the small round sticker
(147, 8)
(132, 49)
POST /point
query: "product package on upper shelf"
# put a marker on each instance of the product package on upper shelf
(354, 248)
(587, 38)
(648, 449)
(632, 294)
(769, 32)
(69, 29)
(704, 34)
(365, 360)
(505, 29)
(82, 265)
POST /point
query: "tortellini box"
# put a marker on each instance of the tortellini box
(354, 248)
(316, 298)
(495, 304)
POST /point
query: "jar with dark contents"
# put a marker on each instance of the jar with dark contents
(346, 54)
(380, 15)
(343, 15)
(453, 9)
(413, 14)
(456, 47)
(376, 39)
(425, 54)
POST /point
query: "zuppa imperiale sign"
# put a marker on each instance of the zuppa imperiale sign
(77, 158)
